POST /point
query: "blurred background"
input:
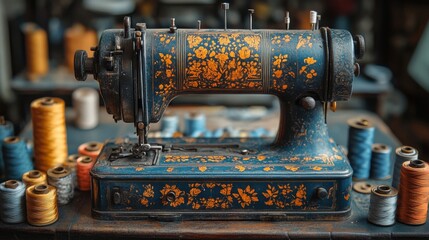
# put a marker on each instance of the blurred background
(394, 80)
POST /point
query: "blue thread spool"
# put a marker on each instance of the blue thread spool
(16, 158)
(218, 133)
(380, 161)
(6, 130)
(259, 132)
(402, 154)
(361, 138)
(169, 124)
(195, 124)
(12, 201)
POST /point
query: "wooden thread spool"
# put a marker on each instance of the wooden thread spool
(90, 149)
(84, 165)
(49, 132)
(36, 45)
(413, 193)
(78, 38)
(42, 206)
(34, 177)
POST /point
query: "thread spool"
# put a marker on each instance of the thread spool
(195, 124)
(16, 158)
(402, 154)
(36, 48)
(90, 149)
(61, 178)
(380, 161)
(361, 137)
(71, 163)
(42, 208)
(84, 165)
(382, 206)
(6, 130)
(12, 201)
(34, 177)
(86, 107)
(413, 193)
(78, 38)
(169, 123)
(49, 132)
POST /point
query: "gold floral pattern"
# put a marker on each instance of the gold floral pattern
(304, 42)
(197, 159)
(164, 69)
(148, 193)
(223, 61)
(306, 70)
(281, 72)
(246, 196)
(223, 202)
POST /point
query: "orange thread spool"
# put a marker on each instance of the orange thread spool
(90, 149)
(36, 44)
(49, 132)
(84, 165)
(413, 192)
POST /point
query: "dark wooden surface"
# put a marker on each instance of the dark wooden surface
(75, 220)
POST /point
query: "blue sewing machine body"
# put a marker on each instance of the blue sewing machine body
(301, 174)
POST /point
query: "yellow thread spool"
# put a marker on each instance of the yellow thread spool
(49, 132)
(34, 177)
(36, 45)
(42, 206)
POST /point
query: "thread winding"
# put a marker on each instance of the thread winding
(16, 158)
(42, 208)
(380, 161)
(413, 192)
(85, 106)
(361, 137)
(12, 201)
(34, 177)
(382, 206)
(49, 132)
(61, 178)
(71, 163)
(84, 165)
(36, 48)
(402, 154)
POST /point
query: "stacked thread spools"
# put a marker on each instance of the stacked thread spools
(16, 158)
(12, 201)
(36, 44)
(413, 193)
(62, 180)
(42, 207)
(49, 132)
(361, 137)
(90, 149)
(403, 154)
(85, 106)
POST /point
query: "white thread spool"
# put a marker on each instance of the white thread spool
(85, 105)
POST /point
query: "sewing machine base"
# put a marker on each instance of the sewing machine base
(223, 179)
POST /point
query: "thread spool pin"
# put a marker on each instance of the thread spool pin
(86, 159)
(41, 189)
(313, 19)
(59, 170)
(173, 27)
(199, 24)
(407, 149)
(92, 147)
(225, 7)
(251, 11)
(287, 20)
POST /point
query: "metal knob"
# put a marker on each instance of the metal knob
(82, 65)
(359, 44)
(321, 193)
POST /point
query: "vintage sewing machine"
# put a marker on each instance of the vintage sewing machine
(301, 174)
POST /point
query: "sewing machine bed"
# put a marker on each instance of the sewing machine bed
(75, 220)
(223, 179)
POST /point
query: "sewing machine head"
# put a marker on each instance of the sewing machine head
(140, 70)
